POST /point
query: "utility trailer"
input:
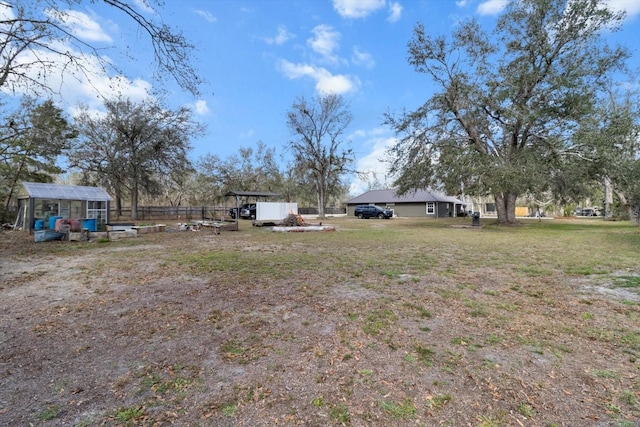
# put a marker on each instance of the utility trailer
(273, 212)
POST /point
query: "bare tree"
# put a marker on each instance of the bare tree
(35, 36)
(134, 144)
(251, 169)
(319, 127)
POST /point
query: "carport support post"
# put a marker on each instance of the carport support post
(32, 220)
(237, 212)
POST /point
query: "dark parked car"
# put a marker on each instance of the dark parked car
(372, 211)
(247, 211)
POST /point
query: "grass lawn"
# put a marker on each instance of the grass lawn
(379, 323)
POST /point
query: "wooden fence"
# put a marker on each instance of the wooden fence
(195, 213)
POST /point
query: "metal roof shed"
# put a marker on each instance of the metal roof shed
(42, 202)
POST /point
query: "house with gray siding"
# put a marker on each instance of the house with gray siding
(419, 203)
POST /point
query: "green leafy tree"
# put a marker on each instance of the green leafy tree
(318, 147)
(132, 145)
(630, 199)
(36, 134)
(610, 142)
(502, 120)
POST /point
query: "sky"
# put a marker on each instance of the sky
(258, 56)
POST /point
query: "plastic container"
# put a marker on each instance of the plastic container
(90, 224)
(52, 222)
(60, 222)
(75, 225)
(39, 225)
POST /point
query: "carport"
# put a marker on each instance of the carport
(246, 195)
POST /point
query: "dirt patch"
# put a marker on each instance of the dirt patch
(620, 286)
(132, 333)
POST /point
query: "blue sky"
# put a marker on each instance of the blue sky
(257, 56)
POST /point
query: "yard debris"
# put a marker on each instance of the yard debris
(296, 223)
(189, 226)
(302, 228)
(293, 220)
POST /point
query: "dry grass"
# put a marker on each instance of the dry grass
(380, 323)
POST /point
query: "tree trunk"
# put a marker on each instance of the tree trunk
(14, 181)
(626, 210)
(322, 196)
(608, 198)
(118, 196)
(134, 202)
(321, 203)
(506, 208)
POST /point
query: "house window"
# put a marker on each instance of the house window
(431, 208)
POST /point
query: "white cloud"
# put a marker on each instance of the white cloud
(338, 84)
(282, 37)
(93, 112)
(85, 82)
(85, 93)
(6, 12)
(371, 133)
(88, 79)
(363, 58)
(492, 7)
(357, 8)
(325, 41)
(395, 12)
(632, 7)
(201, 108)
(294, 71)
(136, 90)
(80, 25)
(461, 3)
(208, 16)
(144, 5)
(373, 164)
(325, 81)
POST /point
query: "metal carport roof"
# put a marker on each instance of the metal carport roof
(251, 194)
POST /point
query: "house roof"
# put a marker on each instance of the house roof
(390, 196)
(39, 190)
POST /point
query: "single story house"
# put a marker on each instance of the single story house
(40, 204)
(419, 203)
